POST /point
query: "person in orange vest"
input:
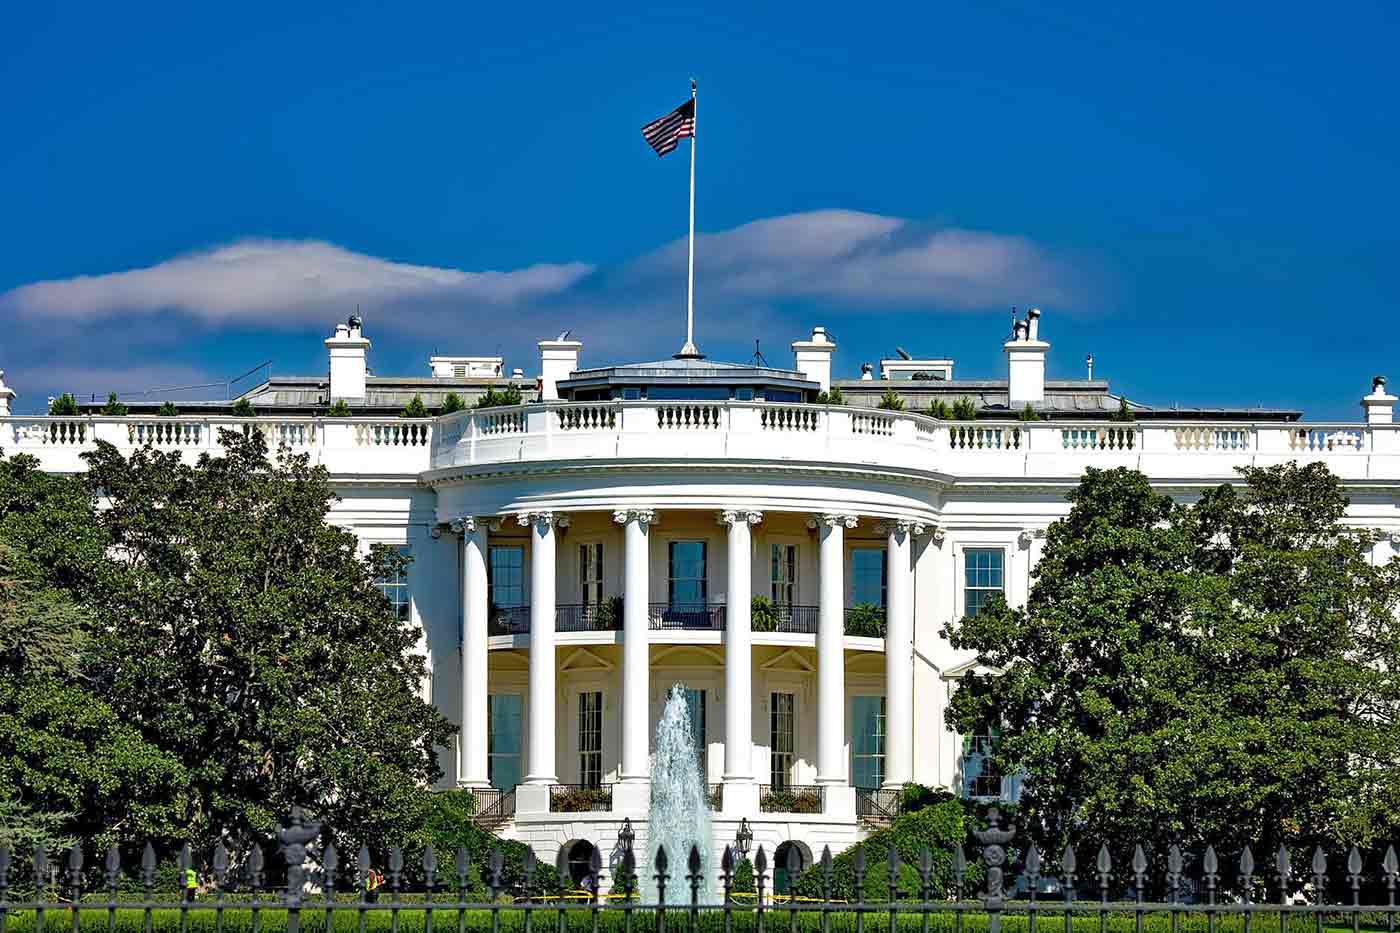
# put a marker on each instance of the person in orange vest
(191, 884)
(373, 882)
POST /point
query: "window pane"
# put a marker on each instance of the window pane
(687, 582)
(507, 576)
(503, 714)
(395, 587)
(982, 575)
(695, 704)
(783, 574)
(868, 740)
(780, 739)
(590, 573)
(590, 738)
(868, 576)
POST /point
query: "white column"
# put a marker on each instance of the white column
(899, 654)
(831, 660)
(471, 770)
(540, 758)
(738, 651)
(636, 638)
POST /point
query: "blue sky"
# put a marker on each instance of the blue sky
(1204, 196)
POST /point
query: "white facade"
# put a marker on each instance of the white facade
(524, 522)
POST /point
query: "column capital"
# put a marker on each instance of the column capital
(902, 526)
(543, 519)
(470, 524)
(729, 517)
(833, 520)
(640, 516)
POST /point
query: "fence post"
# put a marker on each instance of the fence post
(994, 839)
(294, 838)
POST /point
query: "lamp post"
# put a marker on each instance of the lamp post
(627, 835)
(743, 838)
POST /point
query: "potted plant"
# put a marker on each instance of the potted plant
(866, 620)
(763, 614)
(891, 401)
(452, 402)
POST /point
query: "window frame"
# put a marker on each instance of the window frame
(778, 777)
(672, 579)
(518, 755)
(590, 726)
(965, 590)
(397, 590)
(877, 757)
(883, 551)
(492, 581)
(776, 552)
(590, 556)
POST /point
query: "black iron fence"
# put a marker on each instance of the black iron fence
(687, 615)
(943, 891)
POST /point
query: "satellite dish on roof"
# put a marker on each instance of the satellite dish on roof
(903, 353)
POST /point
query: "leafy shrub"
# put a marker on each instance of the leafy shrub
(831, 396)
(938, 827)
(1028, 414)
(446, 824)
(452, 402)
(114, 407)
(964, 409)
(866, 621)
(763, 614)
(914, 797)
(1124, 413)
(579, 799)
(743, 877)
(65, 404)
(510, 395)
(939, 409)
(167, 410)
(415, 408)
(891, 401)
(610, 614)
(339, 409)
(243, 409)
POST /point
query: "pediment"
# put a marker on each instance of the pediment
(687, 656)
(789, 660)
(585, 659)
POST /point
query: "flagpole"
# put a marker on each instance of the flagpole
(690, 350)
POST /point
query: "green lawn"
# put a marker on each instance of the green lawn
(412, 919)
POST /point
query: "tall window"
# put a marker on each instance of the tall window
(395, 586)
(980, 776)
(868, 576)
(590, 573)
(507, 575)
(695, 702)
(780, 714)
(503, 740)
(868, 741)
(687, 583)
(982, 568)
(784, 574)
(590, 738)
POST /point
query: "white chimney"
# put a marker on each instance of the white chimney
(558, 360)
(7, 395)
(348, 349)
(1025, 361)
(814, 357)
(1379, 406)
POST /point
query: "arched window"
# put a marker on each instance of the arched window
(580, 854)
(789, 856)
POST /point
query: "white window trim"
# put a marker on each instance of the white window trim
(960, 550)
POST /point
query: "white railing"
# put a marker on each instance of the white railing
(865, 439)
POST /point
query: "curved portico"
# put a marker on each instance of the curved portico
(790, 537)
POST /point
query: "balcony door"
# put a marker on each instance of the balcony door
(688, 585)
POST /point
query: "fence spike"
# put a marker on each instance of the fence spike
(1032, 863)
(1139, 860)
(148, 865)
(1104, 861)
(661, 859)
(363, 864)
(1247, 863)
(726, 861)
(395, 867)
(760, 861)
(462, 863)
(1319, 862)
(330, 861)
(185, 859)
(595, 873)
(1283, 865)
(113, 865)
(4, 869)
(826, 873)
(221, 861)
(1068, 863)
(893, 860)
(1174, 860)
(693, 863)
(41, 864)
(494, 863)
(75, 859)
(429, 866)
(629, 871)
(255, 866)
(858, 871)
(1390, 864)
(561, 867)
(529, 871)
(1354, 861)
(1210, 863)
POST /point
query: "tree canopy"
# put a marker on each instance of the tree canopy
(242, 638)
(1211, 673)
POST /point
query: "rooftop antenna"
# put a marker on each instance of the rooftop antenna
(1013, 321)
(1089, 360)
(758, 359)
(903, 353)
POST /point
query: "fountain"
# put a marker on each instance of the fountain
(680, 804)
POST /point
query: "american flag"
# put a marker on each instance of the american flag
(665, 133)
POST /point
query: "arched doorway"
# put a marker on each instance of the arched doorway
(791, 859)
(580, 855)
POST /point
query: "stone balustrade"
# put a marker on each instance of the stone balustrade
(737, 431)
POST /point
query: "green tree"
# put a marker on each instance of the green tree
(510, 395)
(243, 409)
(1124, 413)
(114, 406)
(415, 408)
(832, 396)
(964, 409)
(1203, 673)
(339, 409)
(939, 409)
(167, 410)
(247, 636)
(891, 401)
(65, 404)
(1028, 414)
(452, 402)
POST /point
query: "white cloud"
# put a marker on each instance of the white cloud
(282, 282)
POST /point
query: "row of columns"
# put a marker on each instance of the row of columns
(738, 675)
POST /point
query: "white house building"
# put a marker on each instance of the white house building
(577, 555)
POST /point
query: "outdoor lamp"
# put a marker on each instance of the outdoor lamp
(627, 835)
(744, 837)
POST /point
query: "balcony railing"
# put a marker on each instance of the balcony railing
(687, 616)
(791, 798)
(588, 617)
(716, 794)
(494, 807)
(580, 798)
(878, 804)
(509, 620)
